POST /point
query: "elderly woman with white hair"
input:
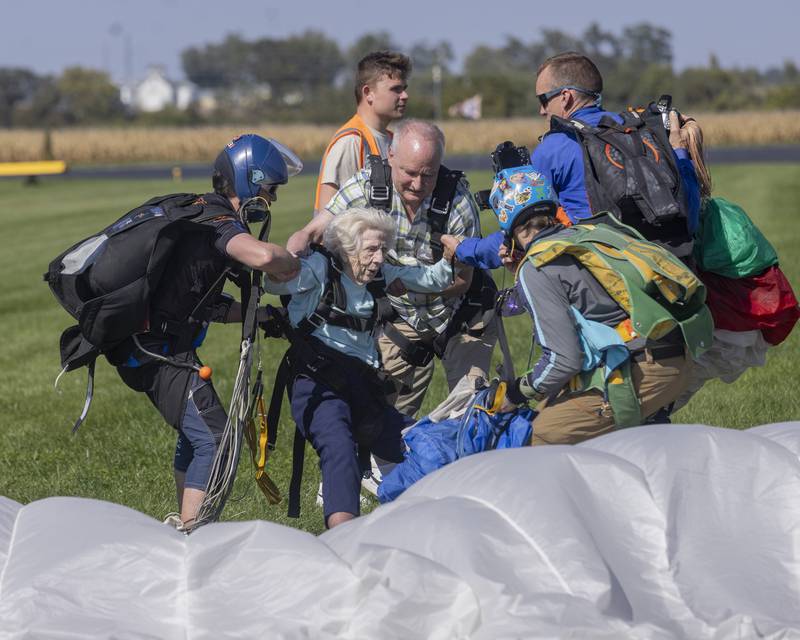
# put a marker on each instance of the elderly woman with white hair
(338, 302)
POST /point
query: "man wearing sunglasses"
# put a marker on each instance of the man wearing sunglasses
(570, 86)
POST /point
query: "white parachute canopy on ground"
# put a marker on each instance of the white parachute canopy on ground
(654, 532)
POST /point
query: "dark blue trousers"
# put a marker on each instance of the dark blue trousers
(326, 420)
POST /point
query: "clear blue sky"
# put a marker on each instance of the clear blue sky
(48, 35)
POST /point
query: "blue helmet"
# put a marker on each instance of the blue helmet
(519, 193)
(249, 162)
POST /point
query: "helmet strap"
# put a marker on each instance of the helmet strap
(254, 209)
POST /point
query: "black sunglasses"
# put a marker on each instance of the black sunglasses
(546, 97)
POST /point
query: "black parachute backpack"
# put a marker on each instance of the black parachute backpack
(106, 280)
(631, 171)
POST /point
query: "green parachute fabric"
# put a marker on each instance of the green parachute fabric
(729, 244)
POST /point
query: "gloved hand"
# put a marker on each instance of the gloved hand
(271, 320)
(508, 303)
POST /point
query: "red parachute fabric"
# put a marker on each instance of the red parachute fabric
(765, 301)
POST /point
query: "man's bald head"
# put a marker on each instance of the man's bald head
(414, 135)
(415, 156)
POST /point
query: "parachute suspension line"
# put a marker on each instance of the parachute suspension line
(88, 400)
(223, 471)
(226, 460)
(58, 378)
(507, 366)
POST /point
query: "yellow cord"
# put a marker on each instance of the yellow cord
(499, 396)
(262, 438)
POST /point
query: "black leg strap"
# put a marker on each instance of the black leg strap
(364, 463)
(414, 352)
(298, 457)
(276, 401)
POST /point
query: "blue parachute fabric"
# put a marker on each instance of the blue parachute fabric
(483, 431)
(432, 445)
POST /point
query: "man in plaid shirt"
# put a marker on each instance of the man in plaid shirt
(414, 157)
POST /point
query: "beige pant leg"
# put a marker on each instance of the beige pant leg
(463, 355)
(414, 380)
(470, 355)
(573, 418)
(570, 419)
(660, 383)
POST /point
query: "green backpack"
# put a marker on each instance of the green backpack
(729, 244)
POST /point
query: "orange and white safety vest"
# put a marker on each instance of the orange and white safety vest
(355, 126)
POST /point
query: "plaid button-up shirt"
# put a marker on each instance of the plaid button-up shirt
(425, 312)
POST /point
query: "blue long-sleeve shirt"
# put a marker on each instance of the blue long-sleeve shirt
(559, 157)
(481, 252)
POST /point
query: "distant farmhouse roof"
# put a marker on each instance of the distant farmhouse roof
(157, 92)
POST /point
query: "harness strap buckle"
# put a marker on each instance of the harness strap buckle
(379, 193)
(443, 210)
(315, 320)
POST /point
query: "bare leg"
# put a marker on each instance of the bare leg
(337, 518)
(180, 477)
(190, 505)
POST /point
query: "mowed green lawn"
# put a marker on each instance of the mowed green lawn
(123, 452)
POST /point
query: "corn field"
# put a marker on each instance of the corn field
(93, 146)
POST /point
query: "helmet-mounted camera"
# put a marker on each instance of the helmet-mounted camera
(505, 156)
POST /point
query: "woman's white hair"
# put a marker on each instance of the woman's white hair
(343, 235)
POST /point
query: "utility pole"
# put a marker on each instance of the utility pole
(436, 76)
(128, 58)
(115, 30)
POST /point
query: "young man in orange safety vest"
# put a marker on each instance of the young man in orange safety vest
(380, 89)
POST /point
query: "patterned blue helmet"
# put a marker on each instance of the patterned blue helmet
(519, 193)
(249, 162)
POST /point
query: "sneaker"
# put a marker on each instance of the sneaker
(320, 501)
(371, 483)
(380, 467)
(174, 521)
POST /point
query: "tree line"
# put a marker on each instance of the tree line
(308, 78)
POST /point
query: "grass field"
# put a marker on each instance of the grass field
(123, 452)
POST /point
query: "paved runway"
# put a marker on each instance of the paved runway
(725, 155)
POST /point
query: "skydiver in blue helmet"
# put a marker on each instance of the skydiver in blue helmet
(614, 341)
(162, 360)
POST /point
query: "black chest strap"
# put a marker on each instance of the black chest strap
(441, 205)
(379, 187)
(332, 306)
